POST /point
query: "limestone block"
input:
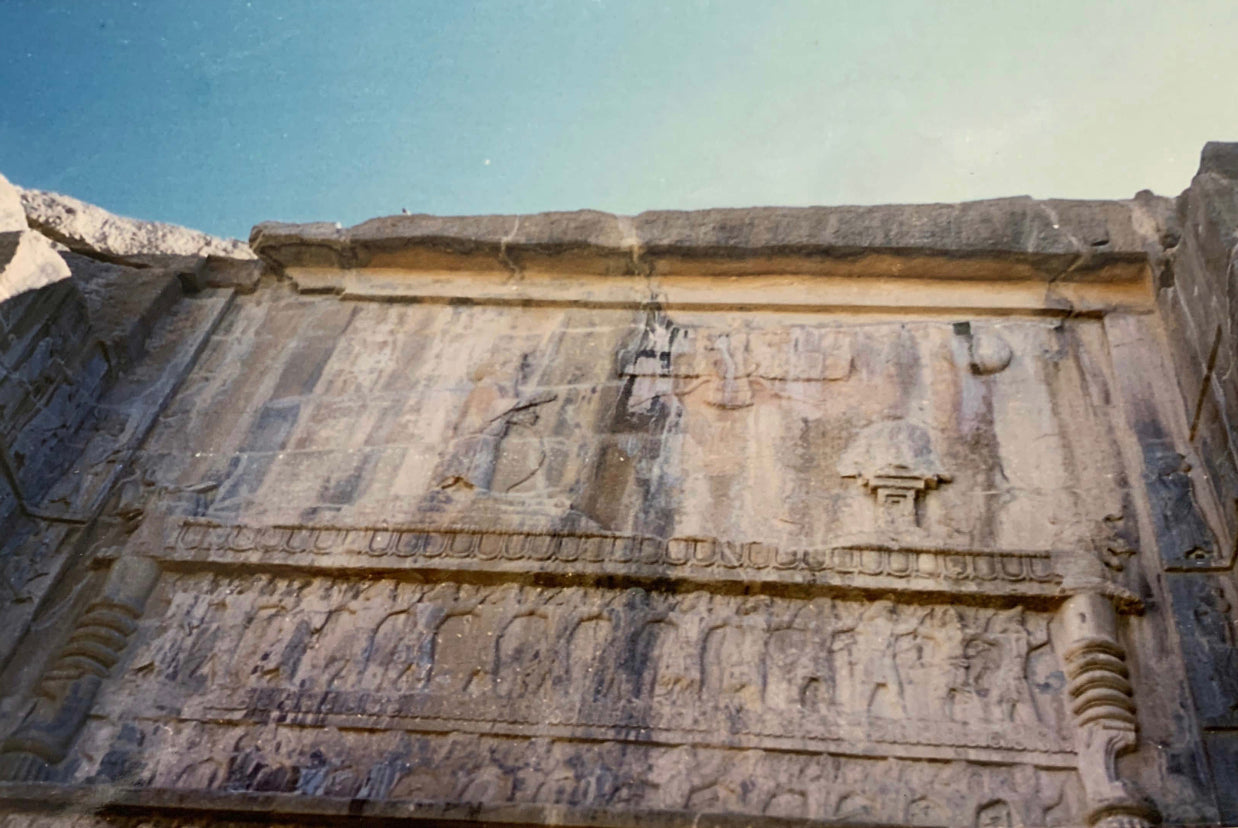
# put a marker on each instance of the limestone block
(12, 215)
(28, 262)
(27, 259)
(1037, 239)
(88, 229)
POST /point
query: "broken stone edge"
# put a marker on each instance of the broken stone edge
(90, 230)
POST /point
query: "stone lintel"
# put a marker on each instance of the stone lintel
(1001, 239)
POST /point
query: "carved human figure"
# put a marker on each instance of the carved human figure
(523, 652)
(1011, 693)
(797, 671)
(733, 387)
(494, 412)
(652, 363)
(947, 662)
(1177, 510)
(334, 642)
(399, 652)
(335, 634)
(731, 783)
(851, 786)
(271, 647)
(734, 656)
(674, 639)
(459, 662)
(676, 773)
(800, 788)
(190, 646)
(842, 655)
(878, 688)
(586, 649)
(479, 780)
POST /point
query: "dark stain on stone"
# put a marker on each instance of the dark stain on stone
(344, 490)
(1182, 533)
(271, 428)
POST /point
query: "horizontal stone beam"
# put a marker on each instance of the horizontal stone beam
(1020, 238)
(1030, 577)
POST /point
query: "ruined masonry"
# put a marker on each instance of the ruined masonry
(870, 516)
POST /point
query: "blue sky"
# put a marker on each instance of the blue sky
(218, 114)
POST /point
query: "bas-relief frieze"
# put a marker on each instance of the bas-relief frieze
(506, 414)
(494, 770)
(906, 679)
(819, 676)
(67, 690)
(952, 656)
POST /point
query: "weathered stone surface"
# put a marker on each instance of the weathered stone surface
(27, 260)
(88, 229)
(588, 237)
(1198, 298)
(1045, 239)
(1006, 227)
(533, 519)
(71, 408)
(12, 215)
(123, 302)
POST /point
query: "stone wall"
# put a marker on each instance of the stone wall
(1198, 297)
(87, 340)
(856, 516)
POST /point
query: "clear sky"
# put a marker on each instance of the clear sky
(221, 113)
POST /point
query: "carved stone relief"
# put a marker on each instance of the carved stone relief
(907, 679)
(1209, 625)
(1103, 707)
(494, 447)
(895, 461)
(67, 690)
(804, 660)
(879, 566)
(731, 363)
(485, 771)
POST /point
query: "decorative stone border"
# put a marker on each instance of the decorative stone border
(853, 566)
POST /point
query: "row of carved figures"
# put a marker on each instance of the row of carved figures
(487, 770)
(577, 648)
(514, 645)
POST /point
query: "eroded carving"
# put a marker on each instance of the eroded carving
(1103, 708)
(482, 770)
(904, 677)
(495, 447)
(67, 690)
(895, 461)
(1186, 540)
(733, 364)
(987, 352)
(876, 565)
